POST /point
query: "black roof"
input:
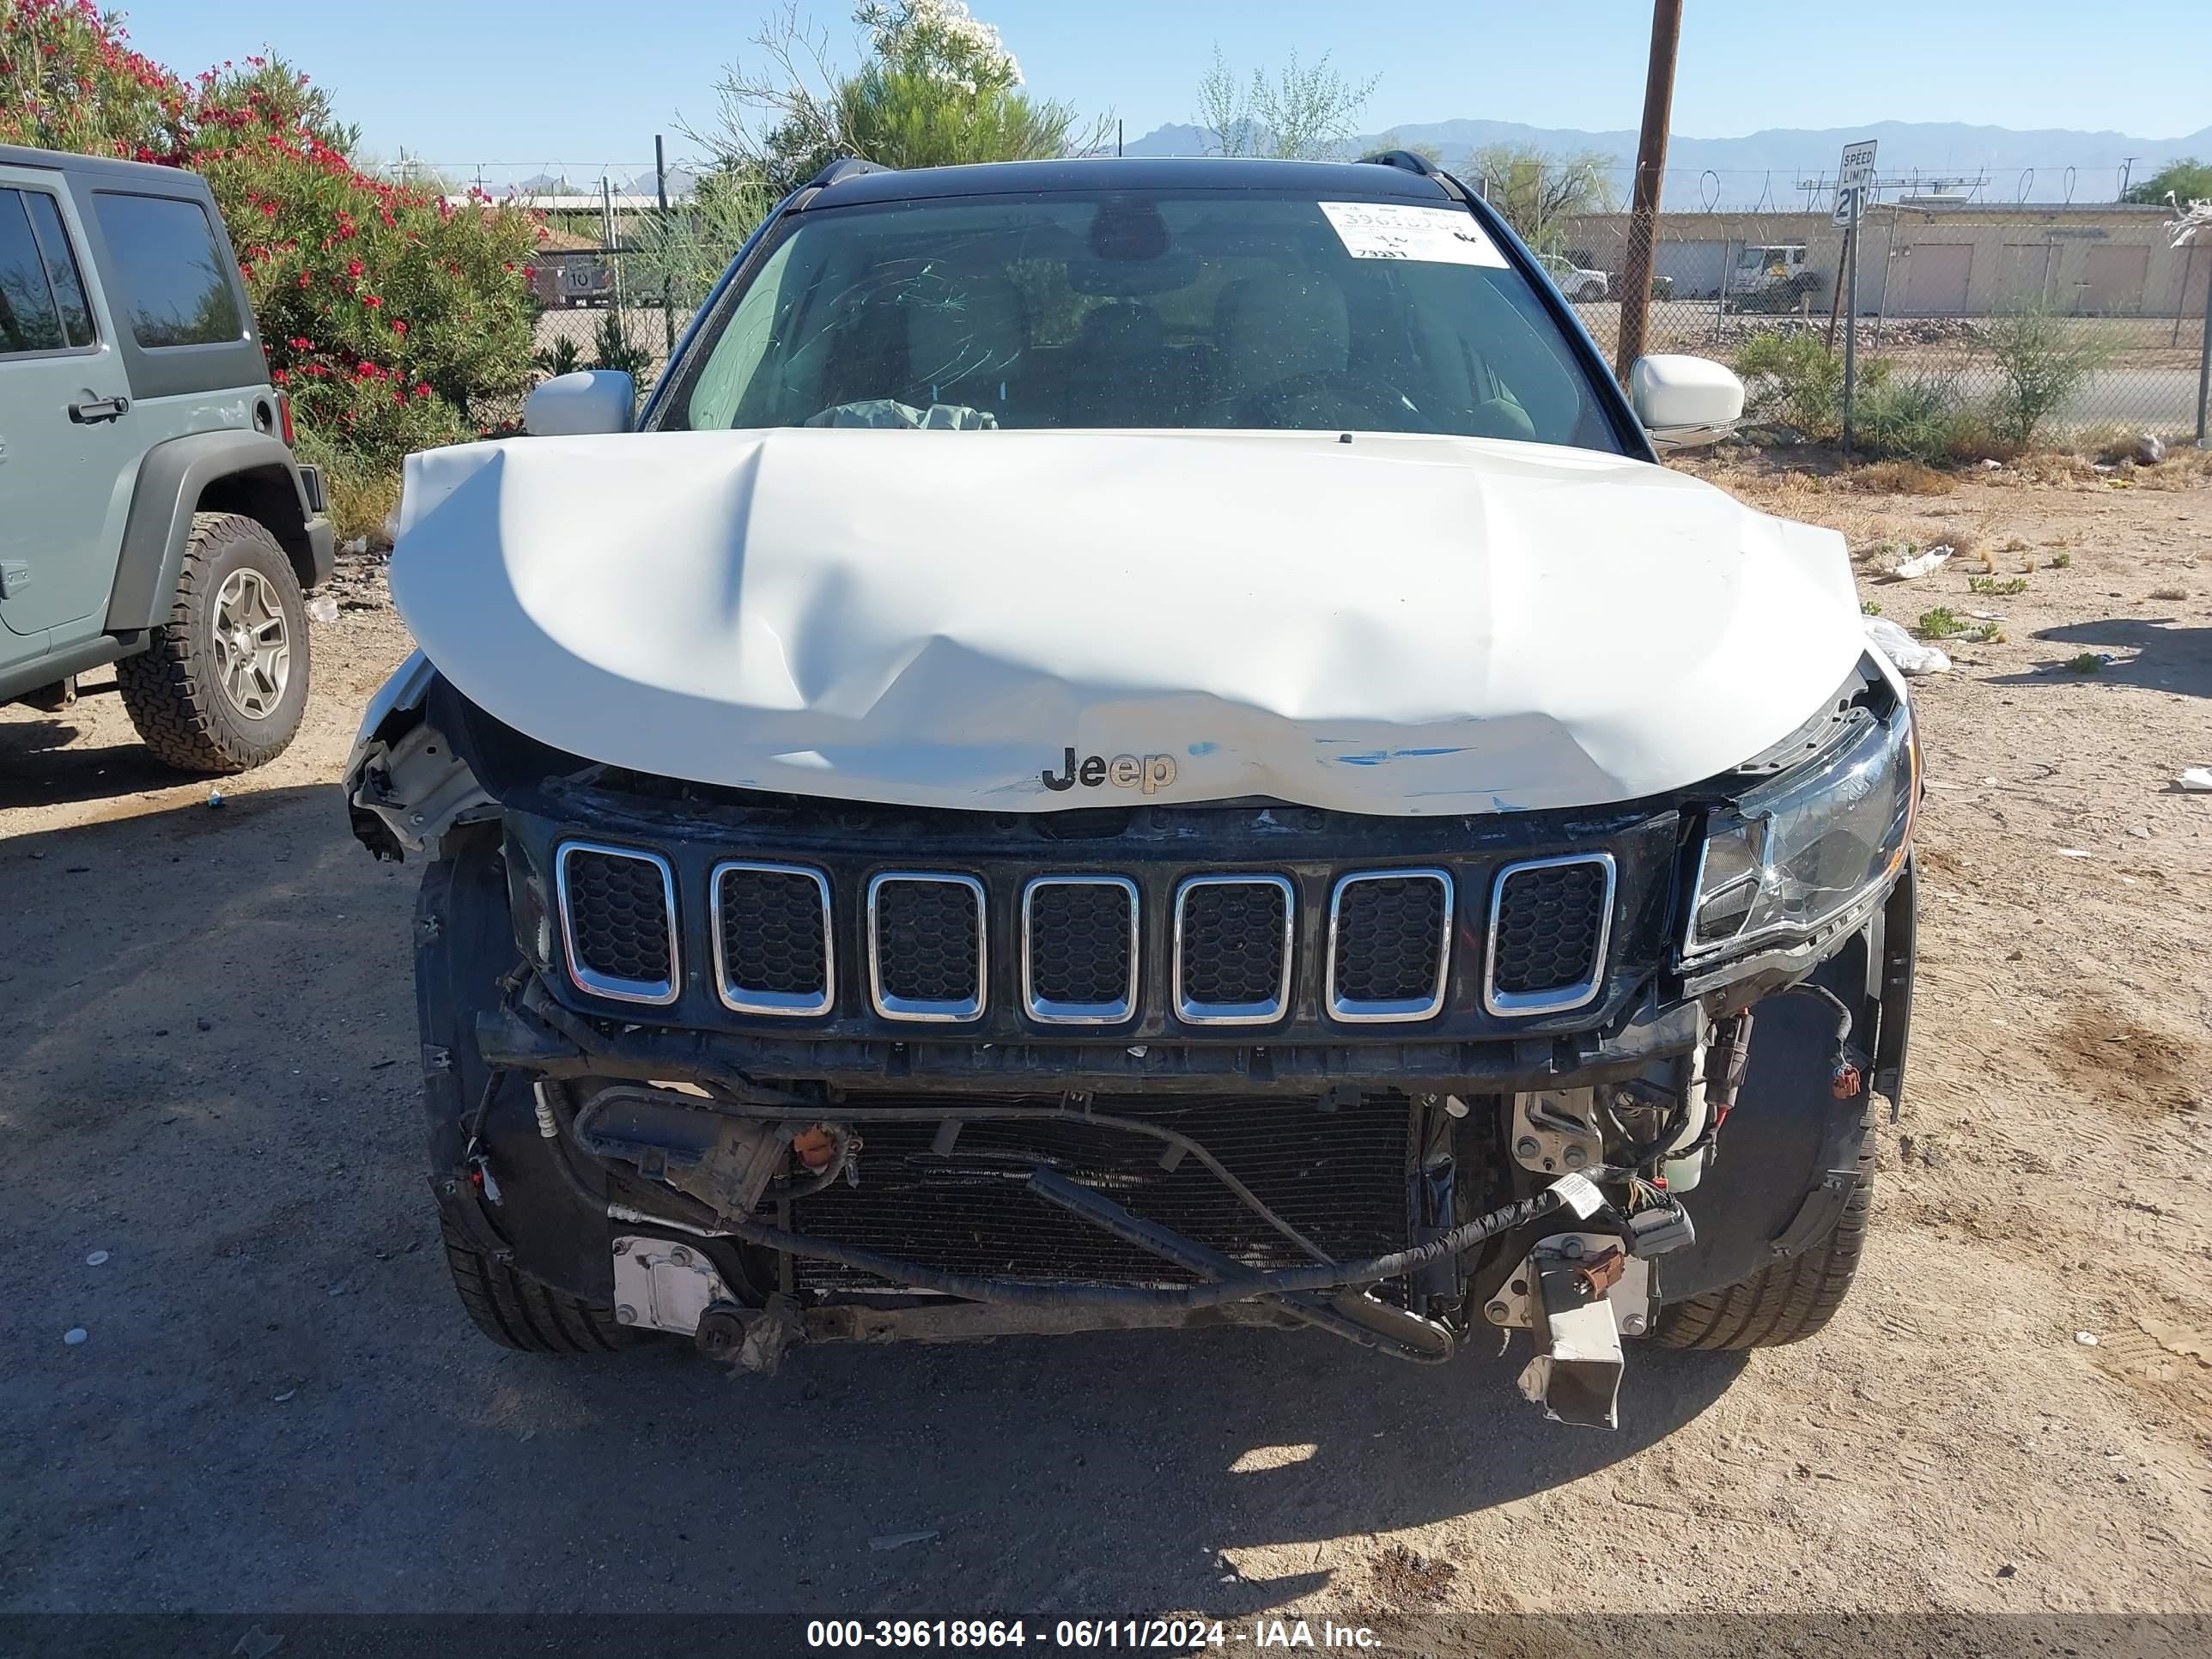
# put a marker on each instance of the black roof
(142, 174)
(1334, 180)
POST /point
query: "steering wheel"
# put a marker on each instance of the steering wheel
(1296, 402)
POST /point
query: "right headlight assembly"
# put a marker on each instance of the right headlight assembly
(1799, 851)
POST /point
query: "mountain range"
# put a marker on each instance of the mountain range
(1767, 167)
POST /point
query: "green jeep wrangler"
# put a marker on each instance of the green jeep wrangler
(151, 513)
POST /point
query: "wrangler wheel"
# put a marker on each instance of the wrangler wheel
(223, 682)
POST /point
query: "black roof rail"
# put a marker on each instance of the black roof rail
(1403, 159)
(845, 167)
(1407, 162)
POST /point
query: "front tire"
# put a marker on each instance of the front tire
(221, 686)
(519, 1313)
(1790, 1300)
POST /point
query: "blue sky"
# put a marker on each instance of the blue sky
(517, 85)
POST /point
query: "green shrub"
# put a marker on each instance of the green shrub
(1918, 419)
(612, 348)
(683, 251)
(362, 494)
(2043, 364)
(1794, 380)
(1939, 624)
(394, 320)
(563, 357)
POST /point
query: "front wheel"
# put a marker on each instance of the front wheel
(1790, 1300)
(519, 1312)
(223, 685)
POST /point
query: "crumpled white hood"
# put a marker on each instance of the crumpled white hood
(1392, 625)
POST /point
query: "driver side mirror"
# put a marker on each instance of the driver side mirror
(1684, 401)
(592, 400)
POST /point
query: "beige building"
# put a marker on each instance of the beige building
(1937, 259)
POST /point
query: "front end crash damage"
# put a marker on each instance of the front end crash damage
(707, 1165)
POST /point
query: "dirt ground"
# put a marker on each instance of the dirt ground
(207, 1047)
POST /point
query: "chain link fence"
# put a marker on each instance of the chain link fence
(1981, 329)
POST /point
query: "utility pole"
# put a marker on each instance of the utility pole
(667, 295)
(1650, 169)
(2204, 374)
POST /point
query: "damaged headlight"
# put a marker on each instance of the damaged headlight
(1800, 851)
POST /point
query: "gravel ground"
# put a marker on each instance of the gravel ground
(207, 1048)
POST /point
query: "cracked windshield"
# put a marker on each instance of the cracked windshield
(1204, 310)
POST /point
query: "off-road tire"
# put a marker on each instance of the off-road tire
(170, 689)
(1791, 1299)
(522, 1314)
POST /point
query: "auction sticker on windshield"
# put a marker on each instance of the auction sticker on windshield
(1401, 230)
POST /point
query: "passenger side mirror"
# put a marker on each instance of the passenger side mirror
(589, 401)
(1684, 401)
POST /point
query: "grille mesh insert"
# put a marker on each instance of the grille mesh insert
(926, 941)
(1339, 1177)
(772, 941)
(1079, 943)
(1548, 923)
(1389, 938)
(1232, 943)
(617, 916)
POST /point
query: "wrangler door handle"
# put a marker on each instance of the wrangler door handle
(98, 409)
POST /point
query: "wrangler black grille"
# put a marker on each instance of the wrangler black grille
(617, 916)
(1550, 921)
(1230, 945)
(773, 942)
(1077, 935)
(1339, 1177)
(928, 952)
(1389, 941)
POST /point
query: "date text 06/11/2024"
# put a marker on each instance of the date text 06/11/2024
(1155, 1635)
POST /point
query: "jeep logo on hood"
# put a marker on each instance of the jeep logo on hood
(1149, 773)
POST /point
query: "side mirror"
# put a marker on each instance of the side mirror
(589, 401)
(1684, 401)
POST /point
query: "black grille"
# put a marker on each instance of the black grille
(1389, 936)
(775, 947)
(1231, 944)
(1339, 1177)
(1550, 920)
(1078, 941)
(927, 944)
(618, 917)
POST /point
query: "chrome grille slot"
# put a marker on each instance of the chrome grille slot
(926, 953)
(617, 921)
(1389, 944)
(1232, 950)
(1080, 950)
(1550, 921)
(773, 952)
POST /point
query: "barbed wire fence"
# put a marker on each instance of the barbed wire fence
(1991, 314)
